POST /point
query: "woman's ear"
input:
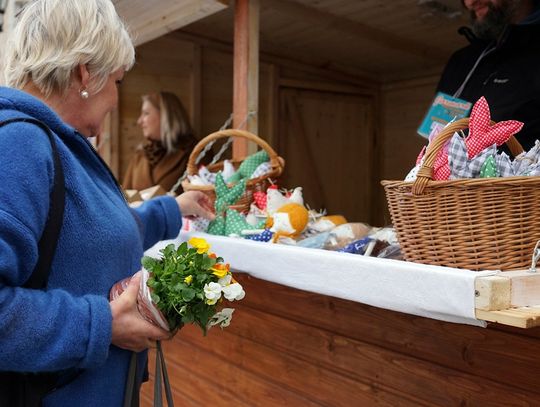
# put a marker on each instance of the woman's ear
(83, 75)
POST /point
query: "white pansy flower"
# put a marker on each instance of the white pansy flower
(233, 292)
(212, 292)
(225, 281)
(223, 318)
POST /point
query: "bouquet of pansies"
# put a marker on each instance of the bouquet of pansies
(186, 285)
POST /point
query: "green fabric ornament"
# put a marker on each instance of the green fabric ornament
(249, 165)
(217, 226)
(235, 222)
(489, 168)
(225, 197)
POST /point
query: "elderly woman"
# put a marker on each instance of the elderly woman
(169, 138)
(64, 64)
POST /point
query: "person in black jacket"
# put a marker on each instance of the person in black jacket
(501, 63)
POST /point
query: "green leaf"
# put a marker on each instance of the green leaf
(202, 278)
(179, 287)
(188, 294)
(155, 298)
(170, 268)
(207, 263)
(182, 249)
(149, 263)
(180, 267)
(188, 318)
(176, 278)
(168, 250)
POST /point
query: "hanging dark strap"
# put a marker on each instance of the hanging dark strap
(166, 382)
(27, 389)
(131, 393)
(158, 399)
(161, 376)
(49, 238)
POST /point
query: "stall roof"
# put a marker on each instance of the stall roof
(149, 19)
(375, 39)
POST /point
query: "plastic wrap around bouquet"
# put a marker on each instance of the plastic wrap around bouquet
(186, 285)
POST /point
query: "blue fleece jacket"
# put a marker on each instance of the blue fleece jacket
(101, 242)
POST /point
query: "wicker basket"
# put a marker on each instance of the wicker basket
(252, 185)
(477, 224)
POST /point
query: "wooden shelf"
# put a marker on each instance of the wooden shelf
(509, 298)
(522, 317)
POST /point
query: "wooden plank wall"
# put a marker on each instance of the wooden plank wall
(287, 347)
(404, 105)
(200, 76)
(328, 140)
(201, 73)
(156, 69)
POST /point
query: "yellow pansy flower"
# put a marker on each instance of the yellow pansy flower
(188, 279)
(220, 269)
(201, 245)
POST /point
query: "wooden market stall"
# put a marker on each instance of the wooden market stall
(287, 346)
(339, 89)
(296, 348)
(341, 85)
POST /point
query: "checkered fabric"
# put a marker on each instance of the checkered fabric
(458, 159)
(504, 165)
(262, 169)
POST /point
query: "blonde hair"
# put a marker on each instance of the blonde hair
(175, 130)
(53, 37)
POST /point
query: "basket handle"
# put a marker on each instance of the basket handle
(425, 173)
(275, 161)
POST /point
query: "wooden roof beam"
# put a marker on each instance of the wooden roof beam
(329, 73)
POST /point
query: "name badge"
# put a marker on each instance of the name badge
(444, 109)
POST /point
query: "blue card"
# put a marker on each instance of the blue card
(443, 110)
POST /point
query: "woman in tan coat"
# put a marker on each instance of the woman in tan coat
(162, 159)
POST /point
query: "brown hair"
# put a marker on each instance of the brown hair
(175, 129)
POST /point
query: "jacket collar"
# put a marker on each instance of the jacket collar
(25, 103)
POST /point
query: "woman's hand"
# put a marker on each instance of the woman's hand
(129, 329)
(195, 203)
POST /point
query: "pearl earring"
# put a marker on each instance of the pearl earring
(84, 94)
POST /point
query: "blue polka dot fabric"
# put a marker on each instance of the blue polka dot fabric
(261, 237)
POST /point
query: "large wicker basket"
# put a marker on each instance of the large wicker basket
(256, 184)
(476, 224)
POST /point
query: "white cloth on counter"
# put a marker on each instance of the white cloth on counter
(435, 292)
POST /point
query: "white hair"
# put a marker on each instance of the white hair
(53, 37)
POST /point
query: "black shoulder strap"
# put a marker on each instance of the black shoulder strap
(49, 238)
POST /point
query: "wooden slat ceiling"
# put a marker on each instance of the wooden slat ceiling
(379, 39)
(149, 19)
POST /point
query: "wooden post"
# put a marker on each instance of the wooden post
(107, 143)
(273, 106)
(246, 71)
(196, 91)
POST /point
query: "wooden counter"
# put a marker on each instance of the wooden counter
(287, 347)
